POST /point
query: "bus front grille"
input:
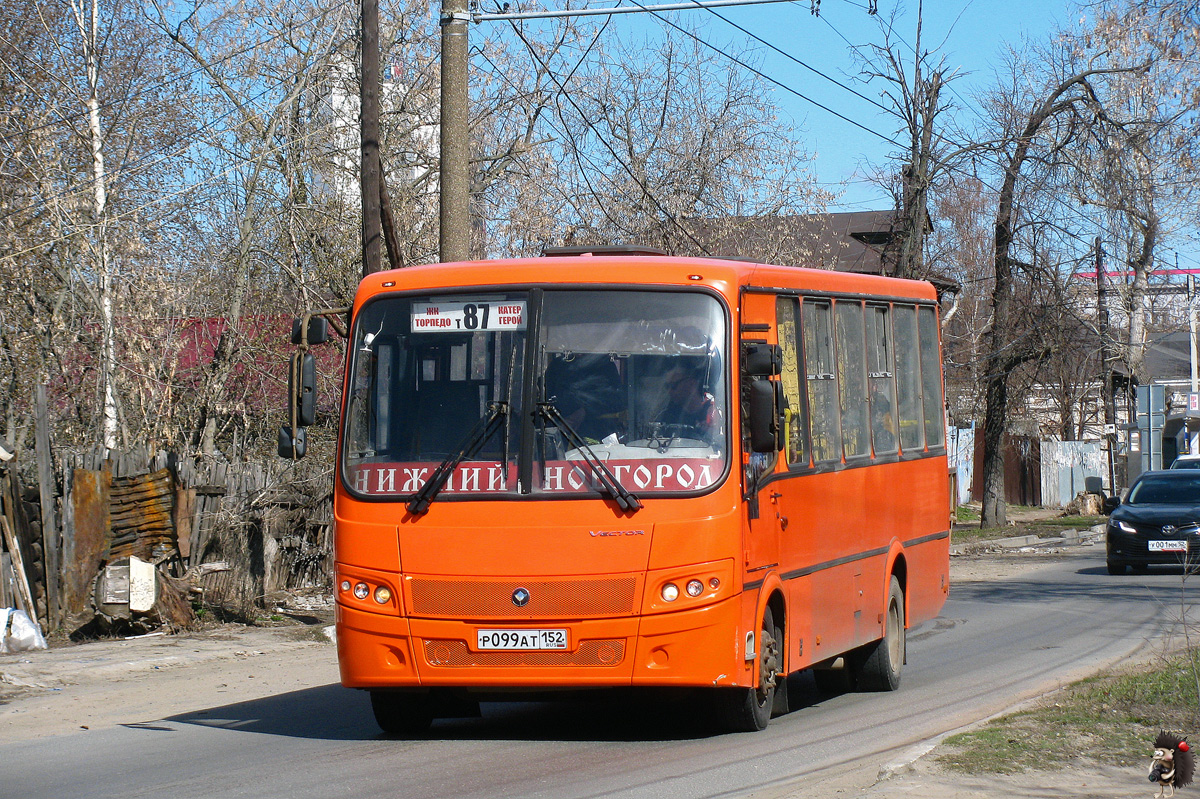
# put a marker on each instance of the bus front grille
(590, 653)
(475, 599)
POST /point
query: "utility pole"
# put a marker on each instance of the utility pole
(454, 237)
(1106, 378)
(370, 168)
(1193, 437)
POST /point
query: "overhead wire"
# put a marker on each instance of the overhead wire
(649, 194)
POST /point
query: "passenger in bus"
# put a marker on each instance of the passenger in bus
(882, 425)
(689, 412)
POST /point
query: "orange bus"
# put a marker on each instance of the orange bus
(613, 468)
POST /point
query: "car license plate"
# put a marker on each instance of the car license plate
(1168, 546)
(521, 639)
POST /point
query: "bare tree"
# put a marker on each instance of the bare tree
(1039, 126)
(914, 96)
(667, 144)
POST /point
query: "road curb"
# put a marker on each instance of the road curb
(1065, 537)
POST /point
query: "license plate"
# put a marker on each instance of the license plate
(521, 639)
(1168, 546)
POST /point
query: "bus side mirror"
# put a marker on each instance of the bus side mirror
(293, 447)
(302, 390)
(766, 434)
(761, 360)
(318, 331)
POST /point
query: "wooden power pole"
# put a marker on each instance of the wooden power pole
(370, 169)
(454, 186)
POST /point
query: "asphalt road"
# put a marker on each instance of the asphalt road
(995, 644)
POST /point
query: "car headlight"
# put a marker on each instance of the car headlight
(1123, 526)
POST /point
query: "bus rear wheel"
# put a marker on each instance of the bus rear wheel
(881, 661)
(749, 709)
(399, 713)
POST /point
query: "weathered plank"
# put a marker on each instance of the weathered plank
(89, 507)
(24, 594)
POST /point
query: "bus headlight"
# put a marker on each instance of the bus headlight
(670, 592)
(361, 590)
(383, 595)
(694, 588)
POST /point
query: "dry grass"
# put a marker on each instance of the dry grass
(1111, 718)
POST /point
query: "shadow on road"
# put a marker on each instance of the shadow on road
(331, 712)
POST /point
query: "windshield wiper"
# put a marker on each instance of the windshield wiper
(483, 430)
(620, 494)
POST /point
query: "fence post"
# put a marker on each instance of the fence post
(46, 486)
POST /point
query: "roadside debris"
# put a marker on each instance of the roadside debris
(19, 633)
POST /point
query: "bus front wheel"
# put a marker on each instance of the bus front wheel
(880, 666)
(399, 713)
(749, 709)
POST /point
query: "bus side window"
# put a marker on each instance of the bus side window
(852, 378)
(817, 324)
(882, 379)
(908, 379)
(797, 430)
(931, 378)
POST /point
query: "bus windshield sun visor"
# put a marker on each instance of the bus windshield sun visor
(620, 494)
(483, 430)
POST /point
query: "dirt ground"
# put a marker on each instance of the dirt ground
(105, 683)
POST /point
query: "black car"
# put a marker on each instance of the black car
(1158, 522)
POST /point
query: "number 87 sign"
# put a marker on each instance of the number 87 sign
(448, 317)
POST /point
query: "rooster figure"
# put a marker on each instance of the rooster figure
(1173, 764)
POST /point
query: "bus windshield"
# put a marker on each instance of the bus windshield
(633, 379)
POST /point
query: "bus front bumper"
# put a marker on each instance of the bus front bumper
(699, 647)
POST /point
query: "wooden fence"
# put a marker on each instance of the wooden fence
(268, 525)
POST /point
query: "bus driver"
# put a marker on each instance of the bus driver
(689, 411)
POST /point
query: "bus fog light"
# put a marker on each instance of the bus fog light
(694, 588)
(361, 590)
(714, 583)
(345, 585)
(670, 592)
(382, 595)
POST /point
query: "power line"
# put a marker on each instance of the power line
(769, 79)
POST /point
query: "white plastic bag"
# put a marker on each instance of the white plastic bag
(18, 632)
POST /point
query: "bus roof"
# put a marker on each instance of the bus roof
(723, 274)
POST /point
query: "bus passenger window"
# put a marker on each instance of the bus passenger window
(908, 379)
(852, 379)
(881, 378)
(785, 311)
(817, 322)
(931, 378)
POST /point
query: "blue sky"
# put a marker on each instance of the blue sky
(971, 34)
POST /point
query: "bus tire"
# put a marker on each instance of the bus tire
(399, 713)
(881, 662)
(749, 709)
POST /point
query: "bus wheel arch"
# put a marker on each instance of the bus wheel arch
(749, 709)
(899, 571)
